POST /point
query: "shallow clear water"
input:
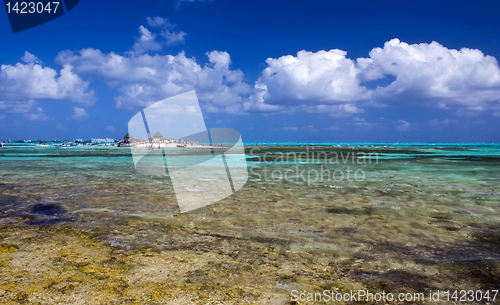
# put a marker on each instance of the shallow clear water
(412, 215)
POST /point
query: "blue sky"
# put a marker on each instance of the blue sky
(277, 71)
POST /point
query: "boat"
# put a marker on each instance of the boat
(124, 144)
(65, 146)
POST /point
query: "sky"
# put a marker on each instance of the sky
(276, 71)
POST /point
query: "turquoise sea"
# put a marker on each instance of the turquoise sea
(409, 217)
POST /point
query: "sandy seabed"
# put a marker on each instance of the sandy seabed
(79, 233)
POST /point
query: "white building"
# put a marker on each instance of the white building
(107, 140)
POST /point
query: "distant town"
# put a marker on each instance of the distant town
(155, 141)
(92, 140)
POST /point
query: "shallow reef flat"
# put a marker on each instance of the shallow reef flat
(85, 228)
(61, 265)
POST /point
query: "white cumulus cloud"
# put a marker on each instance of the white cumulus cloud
(79, 113)
(426, 73)
(172, 38)
(403, 125)
(340, 110)
(144, 79)
(158, 21)
(322, 77)
(436, 75)
(30, 58)
(147, 41)
(22, 84)
(37, 115)
(465, 80)
(10, 106)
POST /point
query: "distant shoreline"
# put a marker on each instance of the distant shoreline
(34, 143)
